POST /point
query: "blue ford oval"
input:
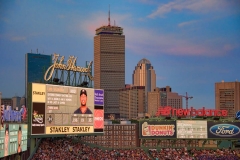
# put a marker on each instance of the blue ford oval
(225, 130)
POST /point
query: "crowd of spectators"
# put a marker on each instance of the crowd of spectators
(194, 154)
(68, 148)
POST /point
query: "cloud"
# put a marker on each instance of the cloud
(187, 23)
(61, 16)
(198, 6)
(154, 2)
(146, 41)
(100, 19)
(162, 10)
(18, 38)
(229, 47)
(160, 78)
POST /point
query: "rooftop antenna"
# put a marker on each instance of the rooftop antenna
(109, 17)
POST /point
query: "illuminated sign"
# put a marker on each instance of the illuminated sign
(190, 129)
(69, 129)
(169, 111)
(70, 66)
(38, 92)
(98, 118)
(10, 115)
(223, 130)
(153, 129)
(66, 110)
(13, 139)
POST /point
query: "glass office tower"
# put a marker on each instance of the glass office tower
(35, 67)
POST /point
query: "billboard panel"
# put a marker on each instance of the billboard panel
(60, 109)
(190, 129)
(13, 139)
(157, 129)
(223, 130)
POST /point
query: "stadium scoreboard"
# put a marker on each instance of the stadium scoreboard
(54, 109)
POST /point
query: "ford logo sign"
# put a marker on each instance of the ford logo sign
(225, 130)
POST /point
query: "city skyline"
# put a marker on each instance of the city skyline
(191, 44)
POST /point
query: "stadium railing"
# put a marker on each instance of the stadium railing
(35, 149)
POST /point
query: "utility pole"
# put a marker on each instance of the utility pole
(187, 97)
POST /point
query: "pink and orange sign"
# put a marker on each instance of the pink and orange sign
(98, 118)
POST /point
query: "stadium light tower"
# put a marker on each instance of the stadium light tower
(187, 97)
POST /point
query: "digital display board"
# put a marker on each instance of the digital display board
(190, 129)
(157, 129)
(13, 139)
(223, 130)
(58, 109)
(10, 115)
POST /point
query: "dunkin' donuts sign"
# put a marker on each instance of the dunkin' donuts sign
(169, 111)
(159, 129)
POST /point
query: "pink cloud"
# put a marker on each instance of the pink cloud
(100, 19)
(199, 6)
(18, 38)
(187, 23)
(146, 41)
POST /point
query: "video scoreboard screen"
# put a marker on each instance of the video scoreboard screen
(13, 139)
(60, 109)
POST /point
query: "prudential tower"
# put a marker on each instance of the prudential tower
(109, 65)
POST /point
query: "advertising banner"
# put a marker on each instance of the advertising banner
(223, 130)
(169, 111)
(157, 129)
(13, 139)
(38, 118)
(65, 109)
(98, 97)
(190, 129)
(69, 129)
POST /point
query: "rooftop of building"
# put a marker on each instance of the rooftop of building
(114, 30)
(144, 61)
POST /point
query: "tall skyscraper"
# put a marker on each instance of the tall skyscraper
(109, 65)
(35, 68)
(227, 97)
(144, 75)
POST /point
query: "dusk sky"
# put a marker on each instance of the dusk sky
(192, 44)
